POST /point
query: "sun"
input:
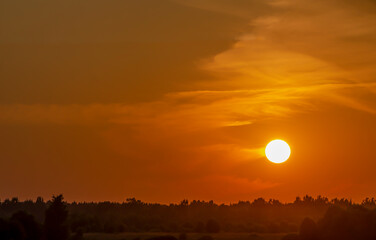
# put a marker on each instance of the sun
(277, 151)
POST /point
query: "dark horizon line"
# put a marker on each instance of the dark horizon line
(270, 201)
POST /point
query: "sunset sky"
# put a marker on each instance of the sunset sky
(164, 100)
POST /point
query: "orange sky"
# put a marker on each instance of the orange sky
(172, 99)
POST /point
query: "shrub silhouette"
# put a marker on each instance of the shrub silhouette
(55, 224)
(308, 230)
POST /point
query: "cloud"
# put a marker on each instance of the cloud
(315, 52)
(207, 127)
(317, 47)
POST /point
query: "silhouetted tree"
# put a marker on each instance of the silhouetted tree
(355, 222)
(308, 230)
(259, 202)
(184, 203)
(27, 225)
(56, 227)
(21, 226)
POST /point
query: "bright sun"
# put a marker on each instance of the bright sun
(277, 151)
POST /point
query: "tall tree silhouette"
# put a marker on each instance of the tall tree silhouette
(56, 227)
(27, 225)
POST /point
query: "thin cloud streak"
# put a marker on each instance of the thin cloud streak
(203, 108)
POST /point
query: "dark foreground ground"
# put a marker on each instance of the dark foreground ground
(190, 236)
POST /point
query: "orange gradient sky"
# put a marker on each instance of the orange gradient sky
(172, 99)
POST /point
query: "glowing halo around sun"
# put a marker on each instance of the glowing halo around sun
(277, 151)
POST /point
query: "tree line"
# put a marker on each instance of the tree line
(58, 220)
(351, 223)
(23, 225)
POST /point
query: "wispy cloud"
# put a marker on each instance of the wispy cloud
(315, 52)
(295, 57)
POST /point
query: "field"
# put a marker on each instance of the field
(190, 236)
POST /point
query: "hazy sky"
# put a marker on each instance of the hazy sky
(170, 99)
